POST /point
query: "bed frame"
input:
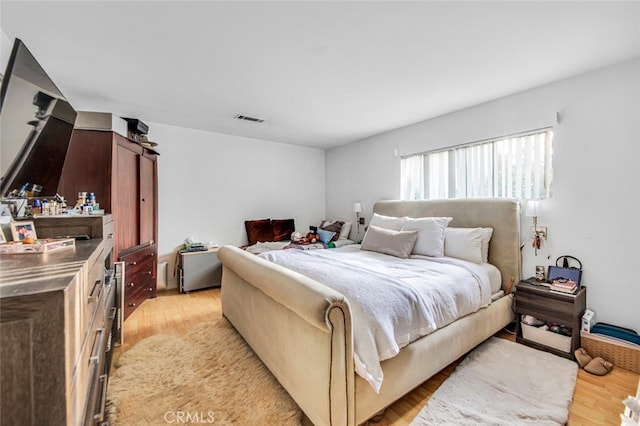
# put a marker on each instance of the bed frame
(302, 329)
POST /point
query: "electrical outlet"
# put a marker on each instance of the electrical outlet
(361, 221)
(542, 231)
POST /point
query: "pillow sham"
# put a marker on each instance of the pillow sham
(325, 236)
(258, 230)
(387, 222)
(334, 226)
(282, 229)
(430, 240)
(345, 229)
(387, 241)
(487, 233)
(464, 243)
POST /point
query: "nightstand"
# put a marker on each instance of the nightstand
(553, 307)
(199, 269)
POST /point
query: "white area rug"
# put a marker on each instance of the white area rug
(504, 383)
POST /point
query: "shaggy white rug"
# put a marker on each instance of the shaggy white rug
(504, 383)
(209, 376)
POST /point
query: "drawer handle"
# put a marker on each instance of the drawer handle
(103, 401)
(93, 297)
(110, 235)
(95, 357)
(152, 254)
(133, 263)
(150, 289)
(132, 305)
(149, 272)
(131, 284)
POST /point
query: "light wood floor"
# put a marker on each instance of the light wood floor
(596, 401)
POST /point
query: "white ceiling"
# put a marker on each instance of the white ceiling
(320, 73)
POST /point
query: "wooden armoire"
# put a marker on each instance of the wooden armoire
(124, 178)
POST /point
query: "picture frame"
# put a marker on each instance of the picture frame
(20, 230)
(2, 238)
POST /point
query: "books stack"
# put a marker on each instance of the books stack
(569, 286)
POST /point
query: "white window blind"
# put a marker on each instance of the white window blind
(517, 166)
(412, 170)
(438, 177)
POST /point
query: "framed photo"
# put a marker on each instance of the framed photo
(22, 230)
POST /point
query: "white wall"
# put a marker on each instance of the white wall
(210, 183)
(5, 50)
(593, 213)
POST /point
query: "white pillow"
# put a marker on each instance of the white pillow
(464, 243)
(387, 241)
(486, 238)
(430, 240)
(387, 222)
(344, 231)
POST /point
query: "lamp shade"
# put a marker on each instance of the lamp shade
(357, 207)
(534, 208)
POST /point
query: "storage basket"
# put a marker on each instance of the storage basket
(621, 354)
(547, 338)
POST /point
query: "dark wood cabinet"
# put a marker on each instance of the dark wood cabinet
(546, 305)
(124, 178)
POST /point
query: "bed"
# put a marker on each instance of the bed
(303, 332)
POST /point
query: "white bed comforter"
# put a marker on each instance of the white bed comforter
(393, 301)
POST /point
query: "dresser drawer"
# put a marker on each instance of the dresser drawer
(132, 302)
(91, 361)
(134, 260)
(92, 288)
(108, 230)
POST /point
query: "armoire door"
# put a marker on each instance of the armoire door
(126, 207)
(147, 200)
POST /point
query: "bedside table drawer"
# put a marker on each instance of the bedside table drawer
(545, 308)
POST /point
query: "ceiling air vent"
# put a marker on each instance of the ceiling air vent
(247, 118)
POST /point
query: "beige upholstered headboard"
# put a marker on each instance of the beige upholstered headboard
(501, 215)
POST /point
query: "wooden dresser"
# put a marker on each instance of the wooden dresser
(124, 177)
(56, 315)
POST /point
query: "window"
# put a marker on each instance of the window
(516, 166)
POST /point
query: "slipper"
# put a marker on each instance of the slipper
(598, 366)
(582, 357)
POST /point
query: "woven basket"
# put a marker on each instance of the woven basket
(621, 354)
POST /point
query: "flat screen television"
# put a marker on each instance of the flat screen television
(36, 123)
